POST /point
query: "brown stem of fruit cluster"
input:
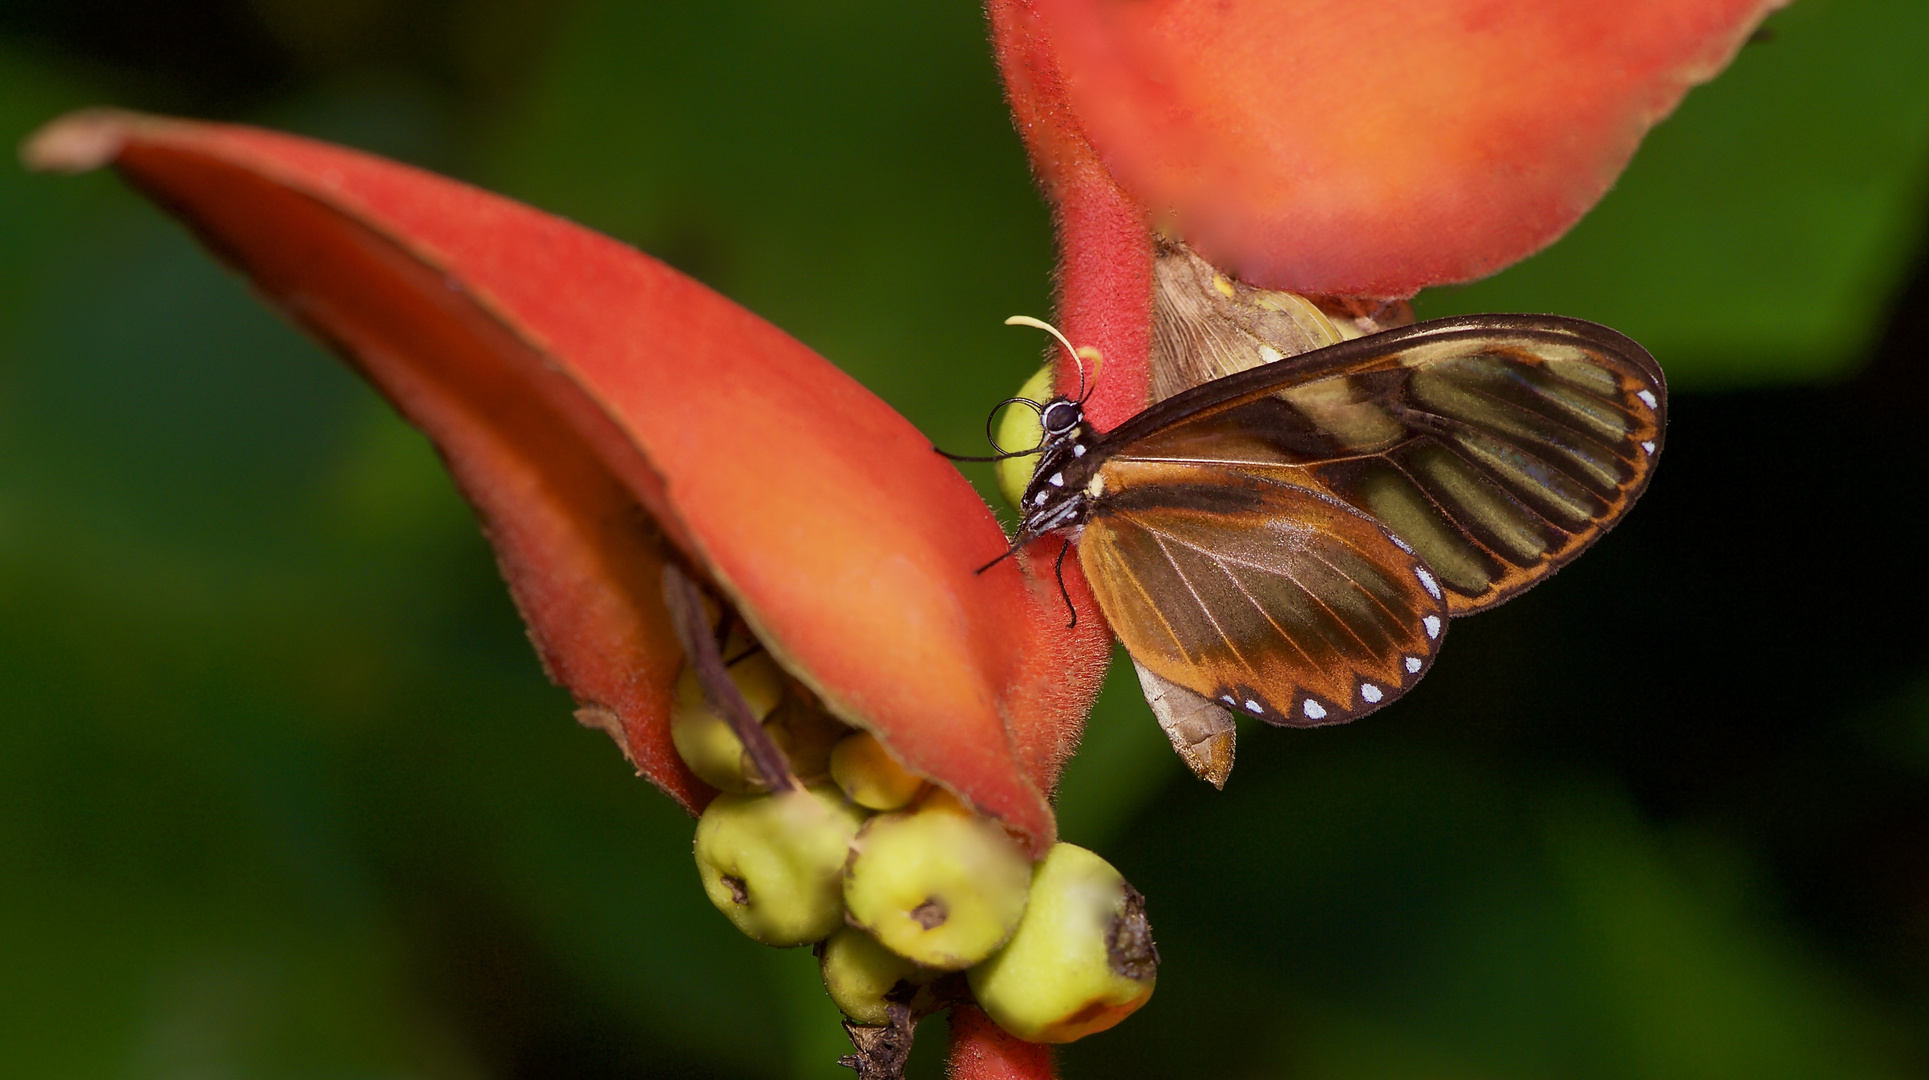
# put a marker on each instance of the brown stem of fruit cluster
(685, 601)
(882, 1049)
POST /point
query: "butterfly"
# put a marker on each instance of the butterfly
(1288, 541)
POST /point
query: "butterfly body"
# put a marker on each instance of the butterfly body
(1288, 541)
(1065, 480)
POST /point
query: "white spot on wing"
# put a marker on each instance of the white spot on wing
(1413, 665)
(1040, 501)
(1228, 699)
(1648, 446)
(1433, 587)
(1254, 707)
(1314, 710)
(1433, 626)
(1057, 480)
(1371, 693)
(1647, 396)
(1077, 450)
(1270, 354)
(1401, 544)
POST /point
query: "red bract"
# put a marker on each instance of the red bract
(604, 413)
(1328, 146)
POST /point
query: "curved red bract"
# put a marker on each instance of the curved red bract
(1331, 146)
(603, 412)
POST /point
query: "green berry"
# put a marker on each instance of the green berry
(940, 886)
(773, 863)
(704, 739)
(1081, 960)
(1019, 428)
(870, 775)
(864, 977)
(805, 734)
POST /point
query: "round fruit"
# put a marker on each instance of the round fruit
(1081, 960)
(1019, 428)
(940, 886)
(870, 775)
(773, 863)
(864, 977)
(704, 739)
(805, 734)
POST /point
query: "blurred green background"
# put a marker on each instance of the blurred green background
(284, 794)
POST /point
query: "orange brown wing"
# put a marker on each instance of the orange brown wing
(1495, 447)
(1276, 600)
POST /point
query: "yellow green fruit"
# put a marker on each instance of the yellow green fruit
(805, 734)
(870, 775)
(863, 977)
(1081, 960)
(1020, 428)
(940, 886)
(774, 863)
(704, 739)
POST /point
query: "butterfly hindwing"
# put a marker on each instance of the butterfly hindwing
(1496, 447)
(1274, 599)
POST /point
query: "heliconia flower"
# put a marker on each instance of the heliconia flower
(604, 414)
(607, 416)
(1322, 147)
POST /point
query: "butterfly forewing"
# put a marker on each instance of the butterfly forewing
(1272, 598)
(1496, 448)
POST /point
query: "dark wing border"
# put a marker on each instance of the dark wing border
(1381, 352)
(1357, 354)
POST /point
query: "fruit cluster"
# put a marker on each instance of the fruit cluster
(900, 885)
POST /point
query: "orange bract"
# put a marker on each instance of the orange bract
(1330, 146)
(604, 413)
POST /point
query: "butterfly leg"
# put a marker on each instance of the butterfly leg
(1059, 569)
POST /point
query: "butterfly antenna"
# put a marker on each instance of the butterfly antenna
(1077, 357)
(991, 434)
(941, 452)
(991, 429)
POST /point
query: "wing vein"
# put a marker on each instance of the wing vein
(1285, 574)
(1626, 442)
(1270, 621)
(1193, 590)
(1151, 605)
(1349, 579)
(1558, 464)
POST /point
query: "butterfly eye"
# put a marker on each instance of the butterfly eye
(1061, 417)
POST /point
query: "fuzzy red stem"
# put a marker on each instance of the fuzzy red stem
(1104, 240)
(1104, 259)
(981, 1050)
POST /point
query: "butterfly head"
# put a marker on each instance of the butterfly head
(1061, 487)
(1059, 417)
